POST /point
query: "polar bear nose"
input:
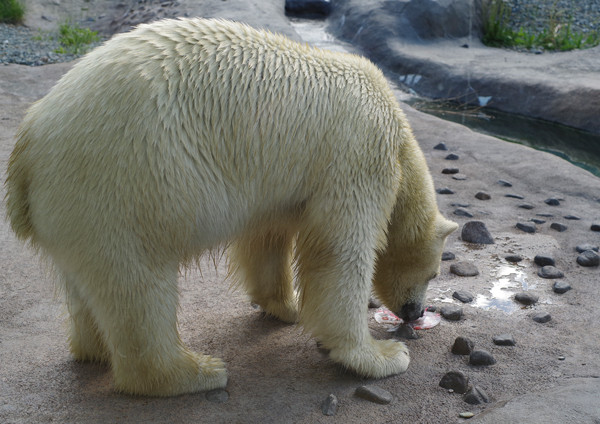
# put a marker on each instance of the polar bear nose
(411, 312)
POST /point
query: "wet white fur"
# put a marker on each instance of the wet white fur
(183, 135)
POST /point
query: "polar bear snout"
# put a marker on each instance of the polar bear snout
(411, 311)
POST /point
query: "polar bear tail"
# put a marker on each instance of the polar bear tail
(17, 193)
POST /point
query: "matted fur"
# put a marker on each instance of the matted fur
(183, 135)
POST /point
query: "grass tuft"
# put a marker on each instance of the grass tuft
(75, 40)
(11, 12)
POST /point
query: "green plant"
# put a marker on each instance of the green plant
(496, 29)
(11, 11)
(75, 40)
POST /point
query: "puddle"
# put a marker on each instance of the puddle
(510, 280)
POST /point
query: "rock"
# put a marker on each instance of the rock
(514, 196)
(527, 227)
(595, 227)
(481, 357)
(462, 346)
(374, 394)
(545, 215)
(550, 271)
(452, 312)
(572, 217)
(526, 298)
(460, 205)
(406, 332)
(504, 183)
(463, 296)
(552, 201)
(431, 308)
(444, 190)
(452, 156)
(450, 171)
(543, 260)
(476, 232)
(308, 8)
(538, 221)
(504, 340)
(541, 317)
(476, 396)
(463, 212)
(587, 246)
(464, 269)
(448, 256)
(374, 303)
(217, 396)
(459, 177)
(514, 258)
(455, 380)
(588, 258)
(527, 206)
(558, 227)
(466, 415)
(440, 146)
(561, 287)
(330, 405)
(483, 196)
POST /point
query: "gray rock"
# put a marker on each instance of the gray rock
(572, 217)
(504, 340)
(504, 183)
(466, 415)
(595, 227)
(514, 258)
(526, 298)
(464, 269)
(330, 405)
(455, 380)
(545, 215)
(444, 190)
(481, 357)
(448, 256)
(406, 332)
(541, 317)
(217, 396)
(586, 246)
(476, 396)
(462, 346)
(527, 206)
(308, 8)
(552, 201)
(476, 232)
(463, 212)
(527, 227)
(460, 205)
(463, 296)
(543, 260)
(514, 196)
(588, 258)
(550, 271)
(561, 287)
(558, 227)
(459, 177)
(374, 394)
(452, 312)
(440, 146)
(452, 156)
(482, 196)
(538, 221)
(450, 171)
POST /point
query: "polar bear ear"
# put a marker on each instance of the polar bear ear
(445, 227)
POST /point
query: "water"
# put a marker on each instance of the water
(578, 147)
(509, 277)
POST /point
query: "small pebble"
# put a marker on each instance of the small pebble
(217, 395)
(572, 217)
(463, 296)
(514, 258)
(452, 312)
(464, 269)
(374, 303)
(561, 287)
(463, 212)
(330, 405)
(538, 221)
(483, 196)
(527, 206)
(406, 332)
(587, 246)
(462, 346)
(481, 357)
(452, 156)
(595, 227)
(588, 258)
(528, 228)
(526, 298)
(460, 205)
(552, 201)
(476, 232)
(545, 215)
(558, 227)
(504, 183)
(466, 415)
(374, 394)
(504, 340)
(450, 171)
(459, 177)
(550, 271)
(561, 358)
(440, 146)
(541, 317)
(455, 380)
(476, 396)
(448, 256)
(514, 196)
(543, 260)
(444, 190)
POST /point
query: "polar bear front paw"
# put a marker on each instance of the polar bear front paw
(286, 311)
(379, 358)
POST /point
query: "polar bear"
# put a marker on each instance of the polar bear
(187, 134)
